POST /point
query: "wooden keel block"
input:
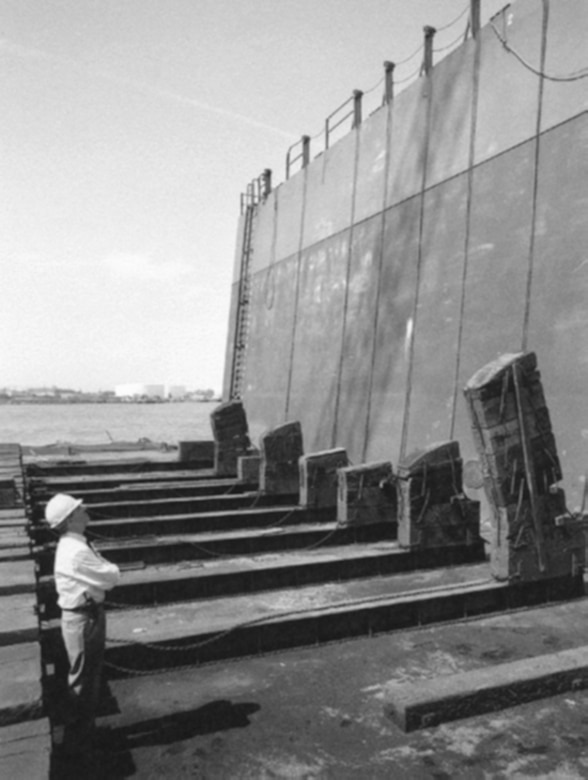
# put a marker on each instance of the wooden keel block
(318, 477)
(364, 495)
(427, 703)
(433, 511)
(231, 437)
(280, 449)
(530, 538)
(9, 496)
(248, 469)
(191, 451)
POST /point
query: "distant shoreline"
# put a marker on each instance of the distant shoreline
(81, 400)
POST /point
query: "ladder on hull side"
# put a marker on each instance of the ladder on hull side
(257, 192)
(243, 313)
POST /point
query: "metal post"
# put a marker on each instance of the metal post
(266, 177)
(305, 140)
(388, 81)
(357, 96)
(475, 18)
(428, 61)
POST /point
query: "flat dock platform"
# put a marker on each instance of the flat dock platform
(318, 712)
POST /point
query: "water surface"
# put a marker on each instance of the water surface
(102, 423)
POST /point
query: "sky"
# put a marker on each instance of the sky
(128, 130)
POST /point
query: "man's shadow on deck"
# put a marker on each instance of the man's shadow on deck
(114, 745)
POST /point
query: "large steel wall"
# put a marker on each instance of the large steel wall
(449, 228)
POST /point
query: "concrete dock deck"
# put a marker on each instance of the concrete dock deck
(204, 590)
(319, 712)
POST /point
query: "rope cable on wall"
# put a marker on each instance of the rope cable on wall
(579, 74)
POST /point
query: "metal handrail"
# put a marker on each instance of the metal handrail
(264, 185)
(303, 155)
(257, 190)
(355, 112)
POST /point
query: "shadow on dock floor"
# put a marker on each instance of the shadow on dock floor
(317, 713)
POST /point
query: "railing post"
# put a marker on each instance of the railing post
(388, 81)
(266, 178)
(327, 133)
(428, 61)
(475, 17)
(305, 150)
(357, 96)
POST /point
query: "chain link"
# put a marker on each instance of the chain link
(344, 640)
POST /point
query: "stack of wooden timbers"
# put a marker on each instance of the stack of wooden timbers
(231, 550)
(25, 741)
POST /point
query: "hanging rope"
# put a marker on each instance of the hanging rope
(580, 74)
(410, 56)
(408, 78)
(454, 21)
(372, 89)
(459, 39)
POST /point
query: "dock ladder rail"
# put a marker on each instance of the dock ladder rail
(257, 191)
(242, 316)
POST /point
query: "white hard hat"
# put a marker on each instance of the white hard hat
(59, 508)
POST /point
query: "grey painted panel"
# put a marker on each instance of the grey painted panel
(330, 190)
(318, 339)
(437, 321)
(498, 251)
(229, 349)
(371, 166)
(268, 353)
(451, 103)
(566, 53)
(263, 232)
(409, 116)
(289, 215)
(559, 311)
(496, 269)
(359, 337)
(397, 285)
(498, 258)
(508, 97)
(238, 250)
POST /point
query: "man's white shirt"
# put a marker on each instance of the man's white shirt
(81, 573)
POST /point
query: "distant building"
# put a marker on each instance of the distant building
(175, 392)
(138, 390)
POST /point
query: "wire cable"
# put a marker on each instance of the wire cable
(459, 39)
(410, 56)
(580, 74)
(372, 89)
(409, 77)
(454, 21)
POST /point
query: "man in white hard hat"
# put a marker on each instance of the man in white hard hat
(81, 577)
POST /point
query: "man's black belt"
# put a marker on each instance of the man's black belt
(91, 606)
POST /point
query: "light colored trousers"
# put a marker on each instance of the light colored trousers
(84, 635)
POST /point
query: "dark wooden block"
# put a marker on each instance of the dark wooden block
(361, 496)
(427, 703)
(248, 469)
(190, 451)
(280, 451)
(319, 482)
